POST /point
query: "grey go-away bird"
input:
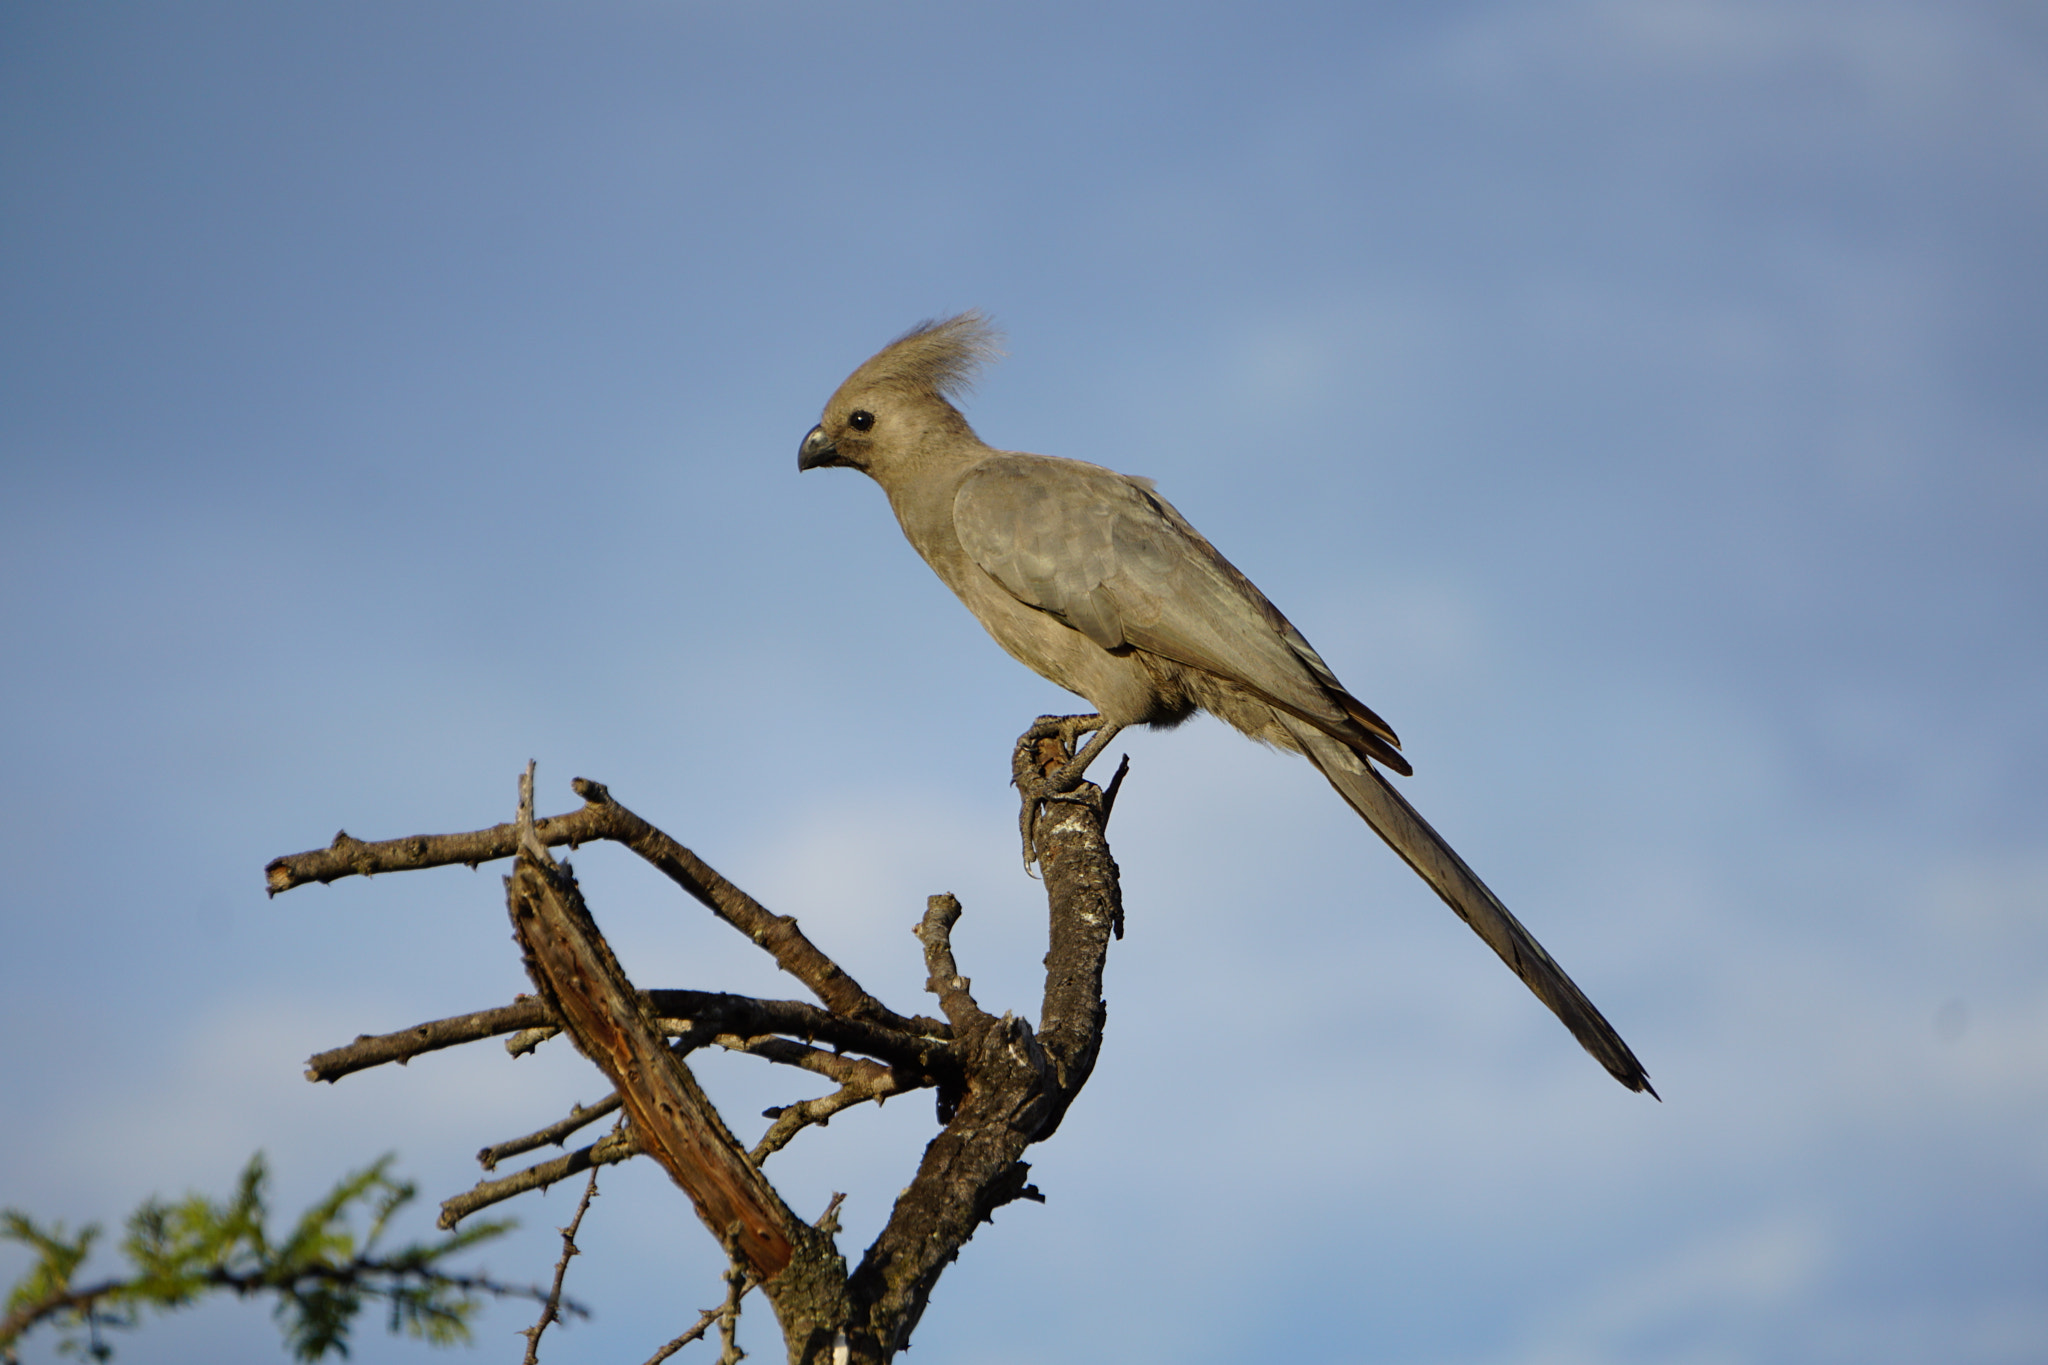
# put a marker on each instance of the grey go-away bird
(1092, 580)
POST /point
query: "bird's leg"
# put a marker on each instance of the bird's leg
(1038, 783)
(1067, 729)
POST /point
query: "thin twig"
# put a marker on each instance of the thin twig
(836, 1065)
(872, 1079)
(551, 1136)
(1116, 783)
(527, 1039)
(607, 1150)
(694, 1334)
(551, 1310)
(737, 1283)
(828, 1223)
(794, 1118)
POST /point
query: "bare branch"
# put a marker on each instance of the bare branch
(836, 1065)
(943, 977)
(573, 969)
(1085, 898)
(828, 1223)
(370, 1049)
(1003, 1083)
(604, 818)
(550, 1310)
(737, 1283)
(529, 1039)
(1116, 784)
(351, 857)
(794, 1118)
(779, 934)
(860, 1082)
(1019, 1087)
(606, 1151)
(551, 1136)
(679, 1012)
(694, 1334)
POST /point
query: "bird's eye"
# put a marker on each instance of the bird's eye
(861, 421)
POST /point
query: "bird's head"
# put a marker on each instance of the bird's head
(896, 407)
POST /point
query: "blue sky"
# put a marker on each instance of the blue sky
(1640, 405)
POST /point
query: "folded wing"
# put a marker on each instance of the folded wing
(1115, 561)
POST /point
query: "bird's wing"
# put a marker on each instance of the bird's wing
(1114, 560)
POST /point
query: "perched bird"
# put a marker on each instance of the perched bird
(1092, 580)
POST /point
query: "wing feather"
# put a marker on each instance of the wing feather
(1114, 560)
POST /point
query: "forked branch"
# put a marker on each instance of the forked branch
(1003, 1084)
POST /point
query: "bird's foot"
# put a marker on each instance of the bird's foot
(1044, 772)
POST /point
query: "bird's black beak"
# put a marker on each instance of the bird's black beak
(817, 450)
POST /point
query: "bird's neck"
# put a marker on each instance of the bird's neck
(923, 503)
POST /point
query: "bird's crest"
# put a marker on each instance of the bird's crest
(939, 357)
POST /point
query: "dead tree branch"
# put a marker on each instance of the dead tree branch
(551, 1307)
(573, 970)
(680, 1012)
(1003, 1082)
(602, 818)
(608, 1150)
(551, 1136)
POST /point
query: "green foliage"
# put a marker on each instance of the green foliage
(319, 1273)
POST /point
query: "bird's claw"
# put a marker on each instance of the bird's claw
(1049, 767)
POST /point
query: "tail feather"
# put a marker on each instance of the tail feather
(1423, 849)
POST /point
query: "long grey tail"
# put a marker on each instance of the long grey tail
(1423, 849)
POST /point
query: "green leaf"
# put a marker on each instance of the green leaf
(320, 1274)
